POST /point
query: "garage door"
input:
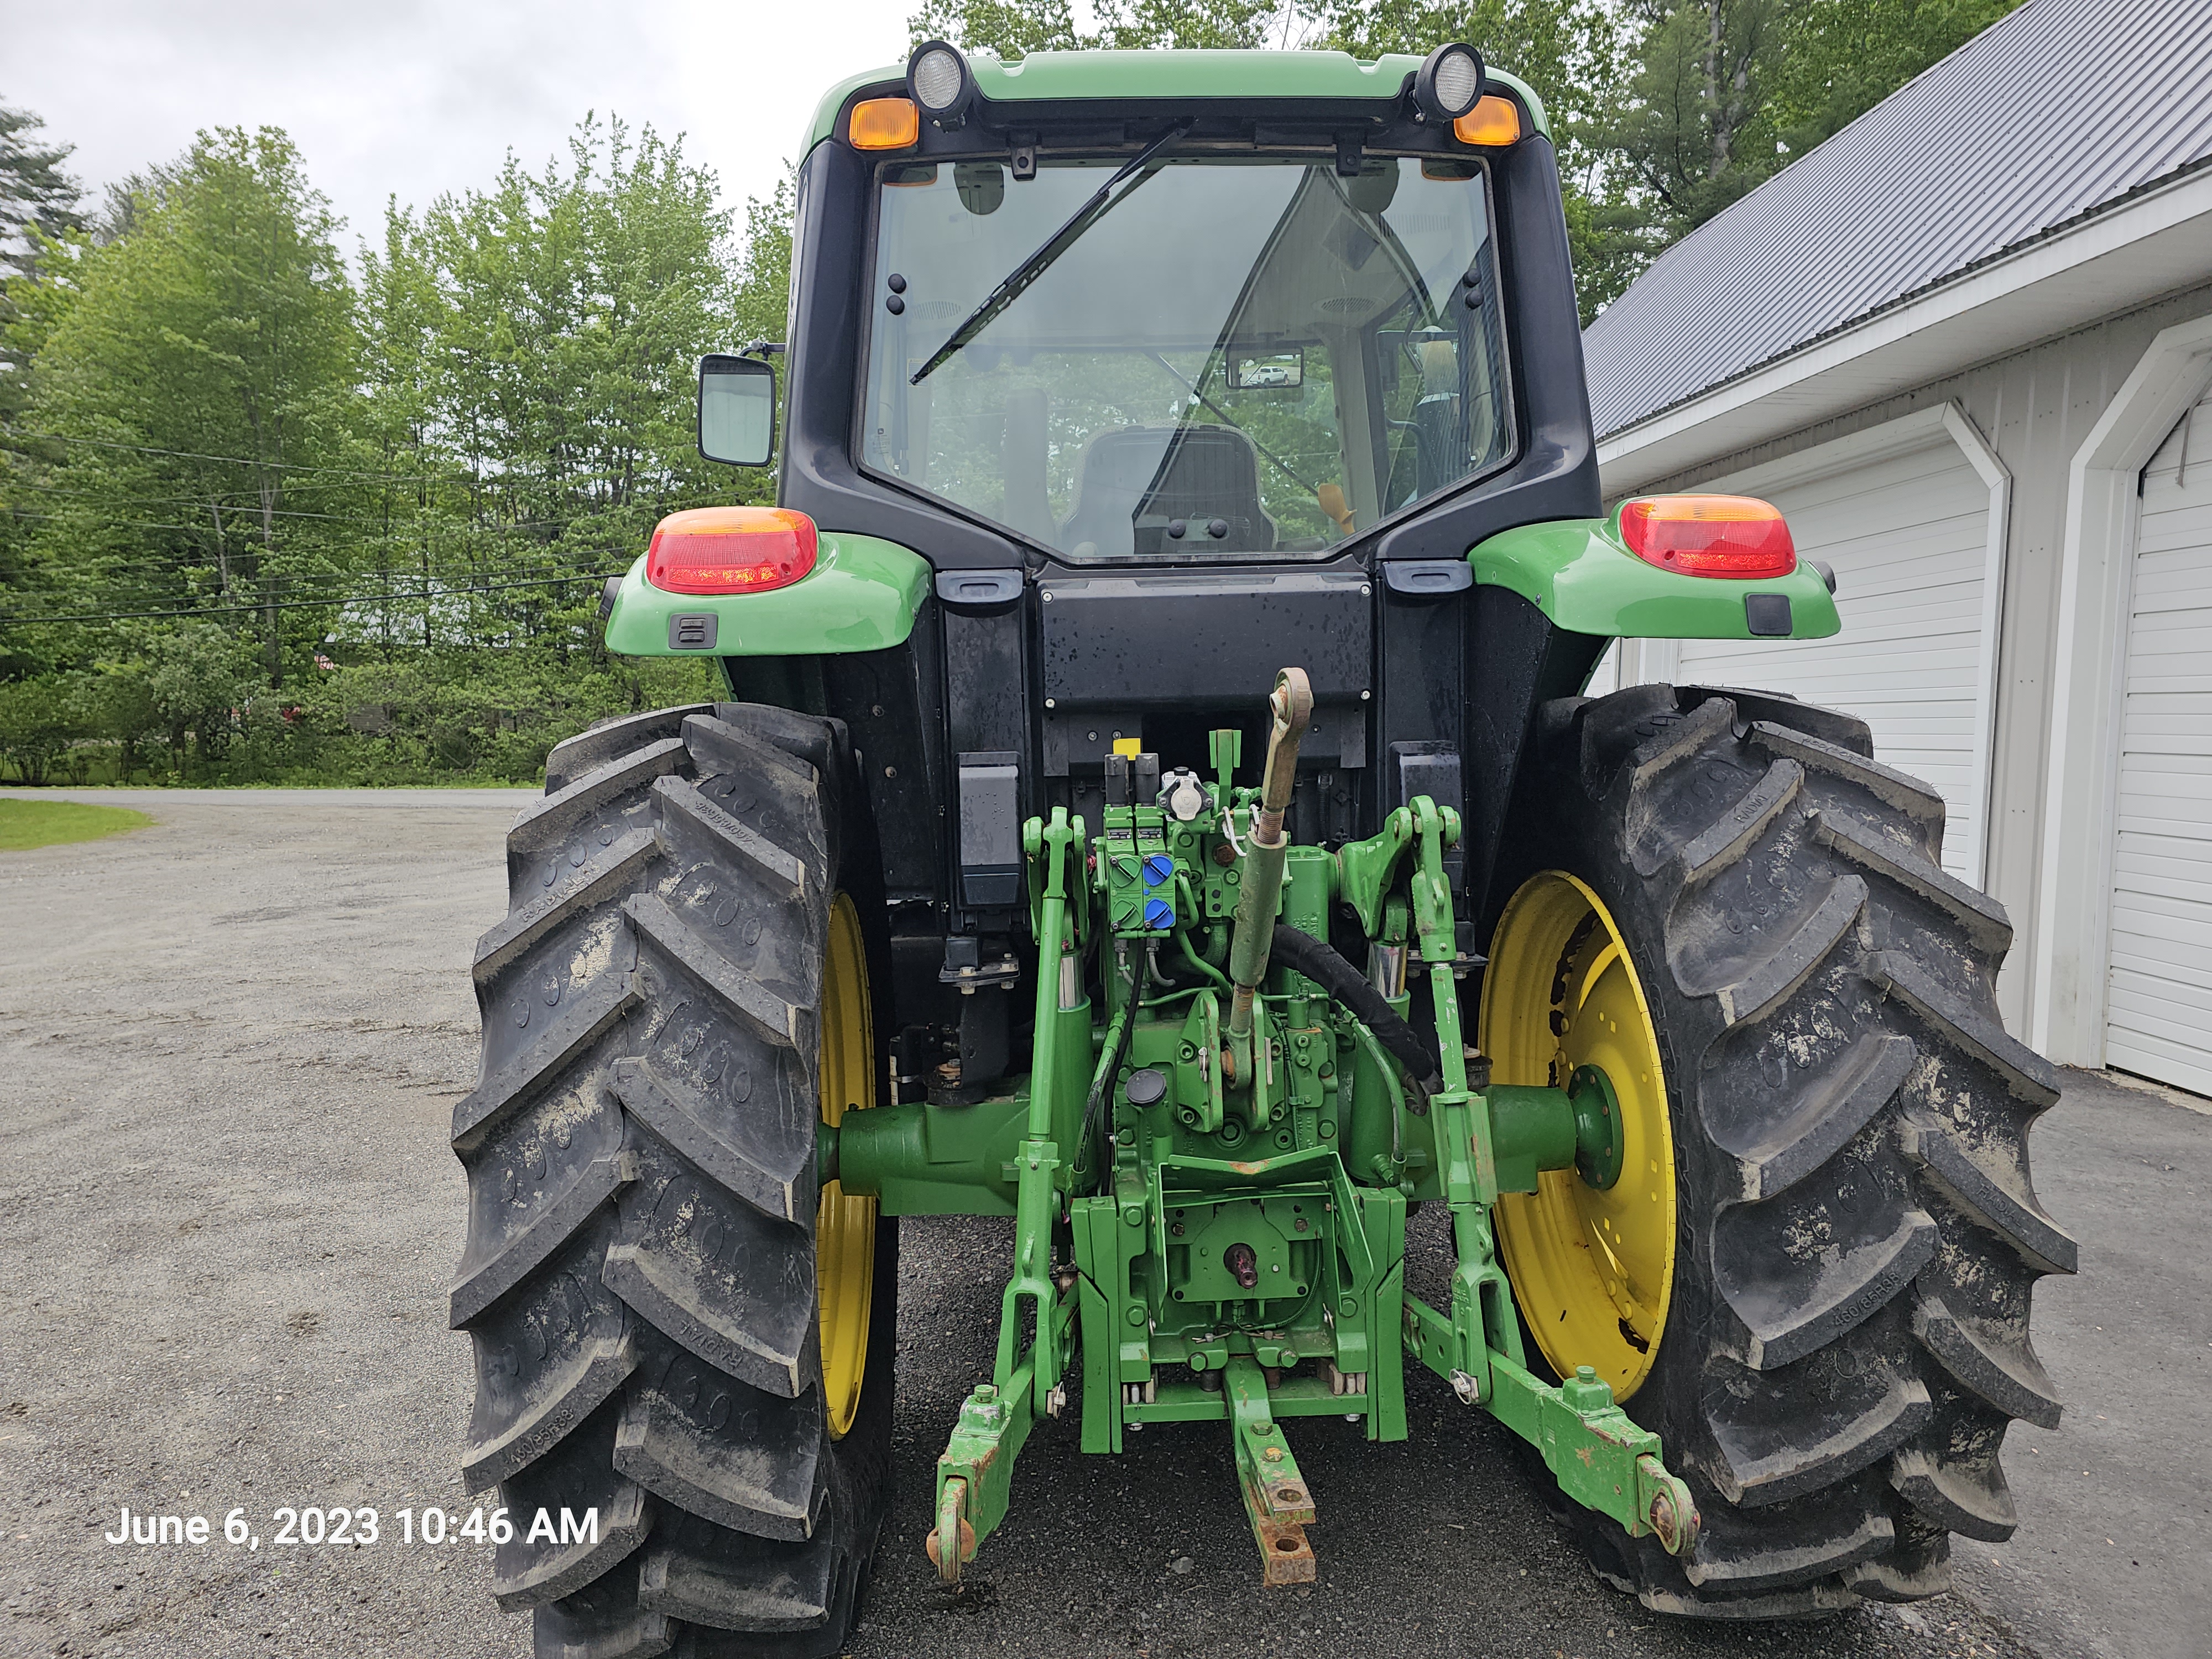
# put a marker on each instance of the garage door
(1908, 534)
(2158, 1011)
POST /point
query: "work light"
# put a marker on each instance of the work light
(1449, 81)
(938, 78)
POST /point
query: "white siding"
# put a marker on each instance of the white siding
(2158, 1014)
(2035, 408)
(1605, 676)
(1908, 535)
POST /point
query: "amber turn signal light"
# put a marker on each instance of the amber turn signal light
(730, 550)
(883, 124)
(1709, 536)
(1495, 121)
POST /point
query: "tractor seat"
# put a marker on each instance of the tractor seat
(1134, 481)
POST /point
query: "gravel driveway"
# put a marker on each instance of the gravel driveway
(227, 1215)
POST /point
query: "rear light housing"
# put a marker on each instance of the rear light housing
(731, 550)
(1731, 536)
(1494, 120)
(883, 124)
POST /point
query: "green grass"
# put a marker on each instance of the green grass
(28, 824)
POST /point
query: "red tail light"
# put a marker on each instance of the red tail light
(730, 550)
(1709, 536)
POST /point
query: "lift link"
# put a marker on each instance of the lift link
(1482, 1302)
(1289, 706)
(975, 1473)
(1602, 1458)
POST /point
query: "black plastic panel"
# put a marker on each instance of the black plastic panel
(1205, 640)
(990, 829)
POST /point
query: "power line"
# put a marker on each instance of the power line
(306, 605)
(274, 466)
(392, 569)
(243, 524)
(202, 496)
(197, 455)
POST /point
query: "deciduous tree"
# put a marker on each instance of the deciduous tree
(195, 400)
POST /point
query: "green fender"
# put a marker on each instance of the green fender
(1579, 573)
(861, 595)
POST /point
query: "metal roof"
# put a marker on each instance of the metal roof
(2059, 110)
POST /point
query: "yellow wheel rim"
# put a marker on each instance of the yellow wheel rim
(845, 1228)
(1593, 1270)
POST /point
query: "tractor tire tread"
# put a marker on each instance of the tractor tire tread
(1897, 790)
(1960, 1498)
(2032, 1079)
(612, 869)
(1848, 1290)
(639, 1281)
(1756, 1559)
(1713, 848)
(1828, 1115)
(588, 750)
(2009, 1379)
(1858, 1232)
(546, 822)
(1981, 918)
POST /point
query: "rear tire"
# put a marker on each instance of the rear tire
(1857, 1236)
(640, 1283)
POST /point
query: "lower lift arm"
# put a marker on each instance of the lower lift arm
(974, 1474)
(1602, 1458)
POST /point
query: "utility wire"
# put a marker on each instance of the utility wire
(242, 460)
(242, 525)
(399, 569)
(198, 455)
(306, 605)
(201, 496)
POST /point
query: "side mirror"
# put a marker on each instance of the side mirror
(737, 411)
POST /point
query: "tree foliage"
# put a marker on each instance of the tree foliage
(531, 350)
(360, 529)
(261, 518)
(37, 198)
(1715, 96)
(192, 400)
(1665, 112)
(1006, 28)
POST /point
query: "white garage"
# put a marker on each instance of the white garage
(1910, 516)
(1960, 349)
(2158, 994)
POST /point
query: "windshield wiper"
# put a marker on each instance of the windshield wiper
(1058, 243)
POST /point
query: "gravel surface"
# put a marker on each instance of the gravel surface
(228, 1217)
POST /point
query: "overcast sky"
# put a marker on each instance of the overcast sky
(415, 98)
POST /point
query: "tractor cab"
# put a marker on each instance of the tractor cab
(1169, 388)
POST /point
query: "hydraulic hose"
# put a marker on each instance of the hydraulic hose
(1116, 1050)
(1318, 962)
(1373, 1049)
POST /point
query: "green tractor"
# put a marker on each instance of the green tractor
(1155, 803)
